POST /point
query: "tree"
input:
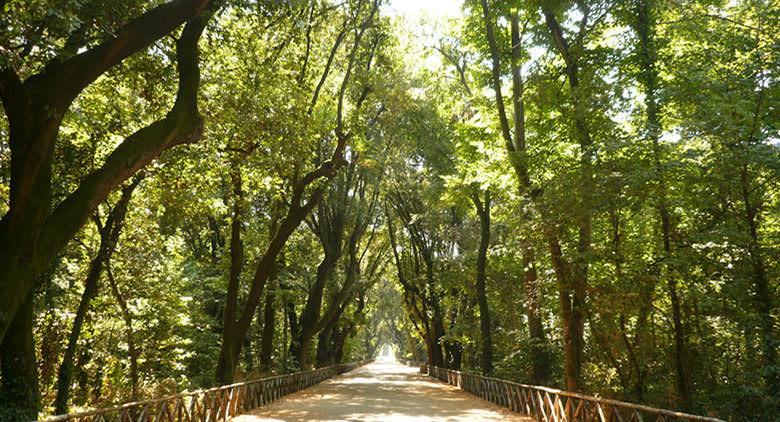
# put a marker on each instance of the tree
(483, 210)
(518, 158)
(236, 325)
(575, 194)
(109, 235)
(35, 108)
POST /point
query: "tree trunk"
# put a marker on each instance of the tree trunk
(215, 240)
(325, 346)
(109, 236)
(574, 334)
(327, 338)
(310, 317)
(680, 360)
(269, 311)
(294, 331)
(454, 348)
(132, 349)
(249, 359)
(19, 398)
(236, 330)
(226, 366)
(483, 210)
(571, 361)
(269, 330)
(429, 349)
(51, 335)
(438, 333)
(421, 301)
(340, 338)
(540, 360)
(285, 338)
(762, 295)
(35, 108)
(329, 224)
(65, 376)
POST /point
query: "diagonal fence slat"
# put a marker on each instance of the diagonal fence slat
(218, 404)
(552, 405)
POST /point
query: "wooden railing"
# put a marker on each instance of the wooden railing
(217, 404)
(552, 405)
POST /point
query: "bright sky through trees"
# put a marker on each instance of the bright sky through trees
(436, 9)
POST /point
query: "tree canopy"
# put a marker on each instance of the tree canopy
(577, 194)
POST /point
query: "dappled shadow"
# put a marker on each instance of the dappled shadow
(381, 392)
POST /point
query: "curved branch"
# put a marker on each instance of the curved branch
(78, 72)
(183, 124)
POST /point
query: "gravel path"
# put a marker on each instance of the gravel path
(381, 392)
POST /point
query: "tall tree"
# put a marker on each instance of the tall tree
(41, 229)
(644, 25)
(109, 236)
(573, 295)
(301, 204)
(483, 210)
(35, 108)
(518, 157)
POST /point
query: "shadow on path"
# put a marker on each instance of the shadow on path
(381, 392)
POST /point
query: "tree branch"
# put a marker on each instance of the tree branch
(183, 124)
(78, 72)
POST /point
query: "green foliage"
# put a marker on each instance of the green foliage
(424, 135)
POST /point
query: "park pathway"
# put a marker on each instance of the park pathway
(381, 391)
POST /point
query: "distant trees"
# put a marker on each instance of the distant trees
(236, 327)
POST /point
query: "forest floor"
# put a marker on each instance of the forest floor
(382, 391)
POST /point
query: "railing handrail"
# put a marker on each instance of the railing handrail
(580, 396)
(340, 368)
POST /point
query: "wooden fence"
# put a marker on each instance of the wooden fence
(551, 405)
(217, 404)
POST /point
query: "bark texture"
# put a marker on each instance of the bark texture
(483, 210)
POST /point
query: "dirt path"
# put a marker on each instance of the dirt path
(381, 392)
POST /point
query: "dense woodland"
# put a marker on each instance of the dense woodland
(581, 194)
